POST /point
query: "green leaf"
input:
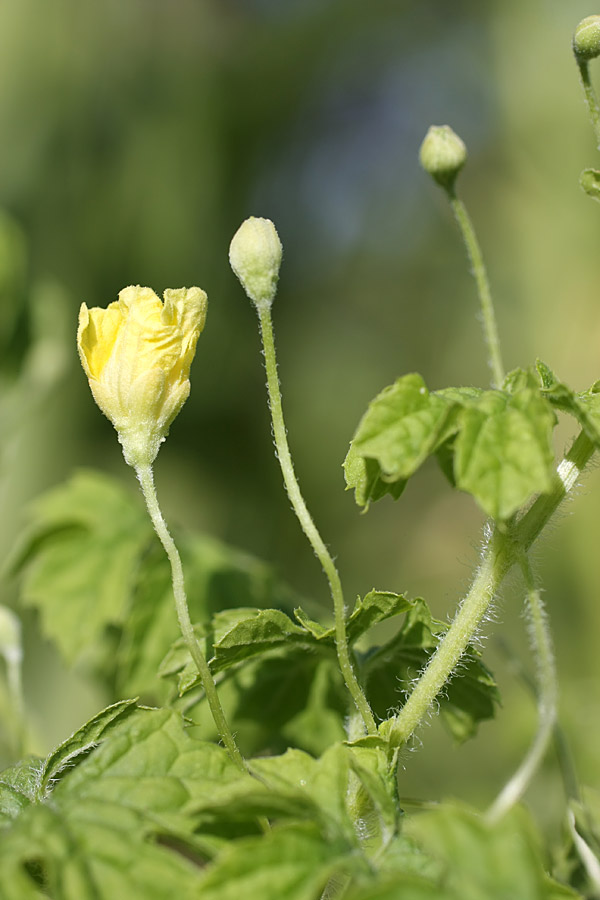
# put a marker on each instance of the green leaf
(402, 886)
(375, 607)
(469, 698)
(495, 445)
(288, 863)
(403, 426)
(218, 578)
(119, 812)
(286, 698)
(72, 751)
(302, 693)
(150, 764)
(479, 860)
(237, 635)
(589, 181)
(372, 799)
(19, 788)
(257, 632)
(75, 529)
(364, 476)
(323, 780)
(93, 851)
(584, 407)
(519, 380)
(503, 452)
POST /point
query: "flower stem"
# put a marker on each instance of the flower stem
(502, 550)
(590, 97)
(490, 328)
(146, 479)
(306, 522)
(547, 693)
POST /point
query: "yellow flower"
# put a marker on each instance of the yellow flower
(137, 355)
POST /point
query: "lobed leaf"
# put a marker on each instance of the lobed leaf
(495, 445)
(285, 698)
(75, 529)
(289, 863)
(119, 820)
(403, 425)
(503, 452)
(584, 407)
(473, 855)
(219, 580)
(374, 607)
(365, 477)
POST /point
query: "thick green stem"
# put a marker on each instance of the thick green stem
(547, 693)
(501, 552)
(590, 97)
(497, 559)
(306, 522)
(146, 479)
(490, 328)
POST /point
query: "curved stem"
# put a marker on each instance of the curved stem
(497, 559)
(306, 522)
(590, 97)
(564, 756)
(501, 552)
(547, 694)
(490, 328)
(146, 479)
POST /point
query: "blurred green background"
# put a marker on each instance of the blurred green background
(138, 134)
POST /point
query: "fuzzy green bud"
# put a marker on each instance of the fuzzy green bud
(255, 257)
(443, 154)
(586, 40)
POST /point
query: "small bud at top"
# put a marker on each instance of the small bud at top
(443, 154)
(586, 40)
(255, 257)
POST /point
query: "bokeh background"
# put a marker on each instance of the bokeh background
(138, 134)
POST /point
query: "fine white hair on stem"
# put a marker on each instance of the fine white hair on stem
(547, 692)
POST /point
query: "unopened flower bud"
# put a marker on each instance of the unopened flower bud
(586, 40)
(137, 355)
(443, 154)
(255, 257)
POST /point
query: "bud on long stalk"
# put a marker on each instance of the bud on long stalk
(255, 257)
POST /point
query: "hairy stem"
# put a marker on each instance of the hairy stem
(496, 560)
(490, 328)
(306, 522)
(547, 693)
(590, 97)
(501, 552)
(146, 479)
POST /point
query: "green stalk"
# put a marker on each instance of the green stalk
(590, 97)
(502, 551)
(496, 561)
(146, 479)
(306, 522)
(490, 328)
(547, 694)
